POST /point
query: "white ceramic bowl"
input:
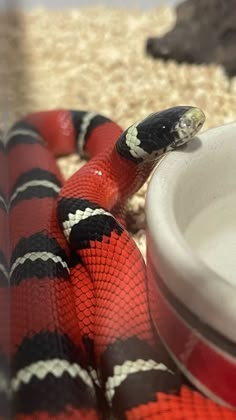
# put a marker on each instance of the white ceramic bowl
(191, 259)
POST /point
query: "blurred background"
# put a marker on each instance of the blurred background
(77, 3)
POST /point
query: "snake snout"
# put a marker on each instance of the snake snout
(188, 126)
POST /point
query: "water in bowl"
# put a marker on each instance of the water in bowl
(212, 234)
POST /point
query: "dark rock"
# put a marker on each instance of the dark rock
(205, 32)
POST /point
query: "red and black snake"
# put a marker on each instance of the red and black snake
(80, 343)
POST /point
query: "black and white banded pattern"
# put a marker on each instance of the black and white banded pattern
(45, 362)
(39, 255)
(84, 123)
(83, 221)
(35, 183)
(23, 133)
(129, 368)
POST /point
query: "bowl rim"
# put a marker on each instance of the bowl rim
(186, 275)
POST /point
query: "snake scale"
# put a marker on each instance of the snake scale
(80, 342)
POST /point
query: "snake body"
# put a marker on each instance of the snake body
(81, 342)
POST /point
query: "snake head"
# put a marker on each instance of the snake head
(160, 132)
